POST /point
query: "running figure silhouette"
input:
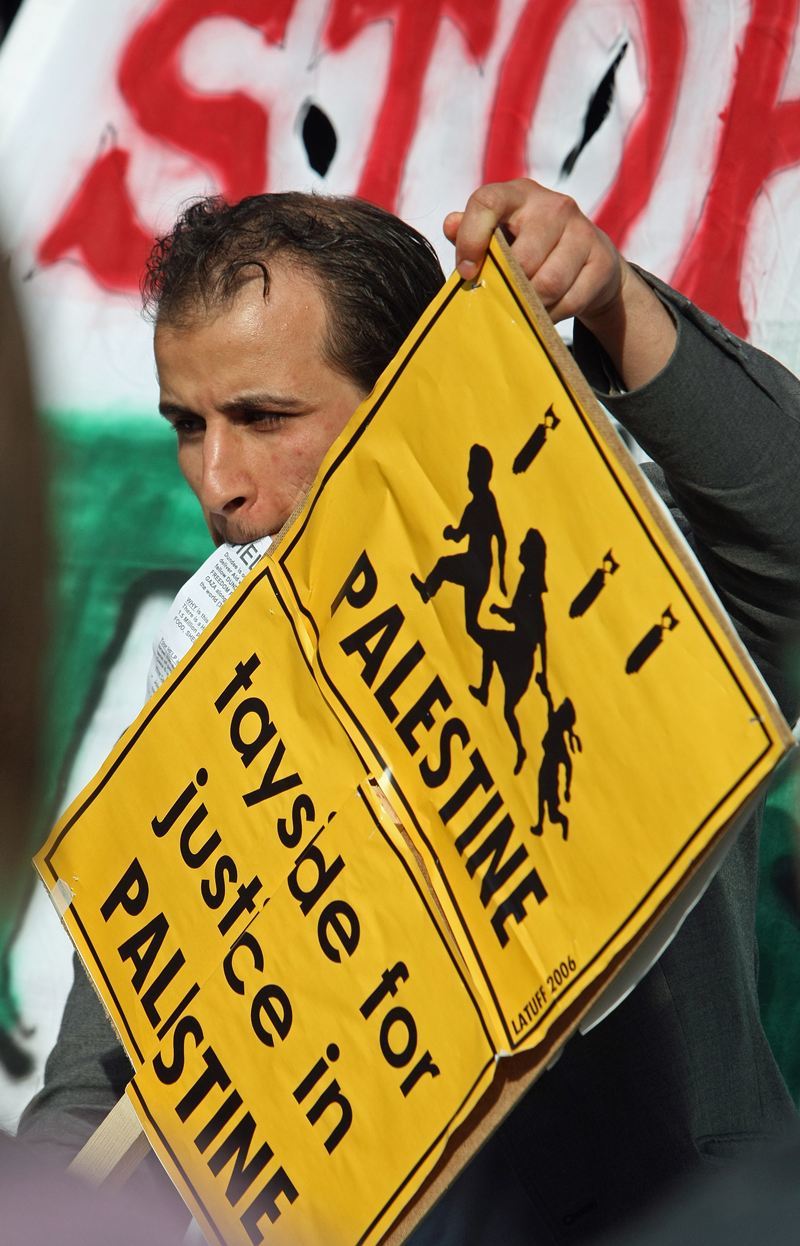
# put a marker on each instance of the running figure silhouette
(480, 524)
(560, 724)
(513, 652)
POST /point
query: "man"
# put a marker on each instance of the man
(273, 319)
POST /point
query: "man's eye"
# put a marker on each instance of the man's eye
(267, 420)
(184, 425)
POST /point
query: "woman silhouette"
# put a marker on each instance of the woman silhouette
(513, 652)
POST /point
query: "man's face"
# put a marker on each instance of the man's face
(254, 402)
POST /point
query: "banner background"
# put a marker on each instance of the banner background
(113, 115)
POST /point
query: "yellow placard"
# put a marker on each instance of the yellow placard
(317, 1076)
(513, 635)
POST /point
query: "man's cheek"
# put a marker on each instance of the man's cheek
(298, 468)
(186, 467)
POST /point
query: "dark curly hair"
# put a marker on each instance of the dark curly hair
(376, 273)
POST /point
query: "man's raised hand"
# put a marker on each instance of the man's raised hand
(574, 267)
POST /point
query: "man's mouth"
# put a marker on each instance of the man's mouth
(226, 533)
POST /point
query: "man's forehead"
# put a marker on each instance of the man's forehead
(281, 282)
(246, 345)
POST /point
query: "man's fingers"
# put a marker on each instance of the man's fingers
(487, 208)
(549, 224)
(580, 272)
(573, 266)
(584, 292)
(535, 218)
(559, 273)
(451, 224)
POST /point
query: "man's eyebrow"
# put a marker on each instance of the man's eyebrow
(262, 401)
(259, 401)
(170, 410)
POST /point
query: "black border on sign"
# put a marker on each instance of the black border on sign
(629, 494)
(158, 700)
(443, 1133)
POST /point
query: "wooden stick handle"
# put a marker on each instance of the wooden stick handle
(115, 1149)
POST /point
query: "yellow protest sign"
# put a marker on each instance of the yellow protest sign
(438, 766)
(516, 638)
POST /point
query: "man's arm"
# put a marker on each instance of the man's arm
(86, 1074)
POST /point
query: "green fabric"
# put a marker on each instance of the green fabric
(120, 512)
(123, 523)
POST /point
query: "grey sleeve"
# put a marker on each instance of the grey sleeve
(722, 420)
(86, 1074)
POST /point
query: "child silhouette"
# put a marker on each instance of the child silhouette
(480, 524)
(560, 724)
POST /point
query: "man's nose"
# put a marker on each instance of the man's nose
(226, 486)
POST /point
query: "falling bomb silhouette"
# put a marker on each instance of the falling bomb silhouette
(535, 442)
(593, 586)
(650, 642)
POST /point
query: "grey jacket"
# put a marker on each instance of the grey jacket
(680, 1076)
